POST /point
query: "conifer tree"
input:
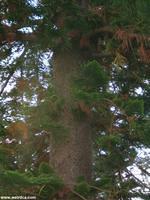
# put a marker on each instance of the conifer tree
(79, 77)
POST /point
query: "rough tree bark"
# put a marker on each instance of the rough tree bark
(73, 157)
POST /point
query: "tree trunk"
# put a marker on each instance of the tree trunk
(73, 157)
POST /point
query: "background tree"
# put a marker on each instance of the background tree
(80, 75)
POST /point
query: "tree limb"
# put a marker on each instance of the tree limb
(143, 170)
(11, 73)
(79, 195)
(6, 82)
(137, 180)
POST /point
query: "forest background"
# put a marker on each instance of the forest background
(74, 99)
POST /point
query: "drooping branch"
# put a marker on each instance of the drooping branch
(140, 182)
(7, 81)
(79, 195)
(120, 34)
(11, 73)
(143, 170)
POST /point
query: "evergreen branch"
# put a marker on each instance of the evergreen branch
(131, 35)
(137, 180)
(10, 35)
(143, 170)
(6, 82)
(11, 73)
(98, 189)
(41, 189)
(79, 195)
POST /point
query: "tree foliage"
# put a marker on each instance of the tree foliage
(110, 89)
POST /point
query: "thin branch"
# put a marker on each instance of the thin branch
(79, 195)
(111, 30)
(6, 82)
(12, 71)
(98, 189)
(143, 170)
(138, 180)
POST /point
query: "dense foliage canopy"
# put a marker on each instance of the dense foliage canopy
(110, 89)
